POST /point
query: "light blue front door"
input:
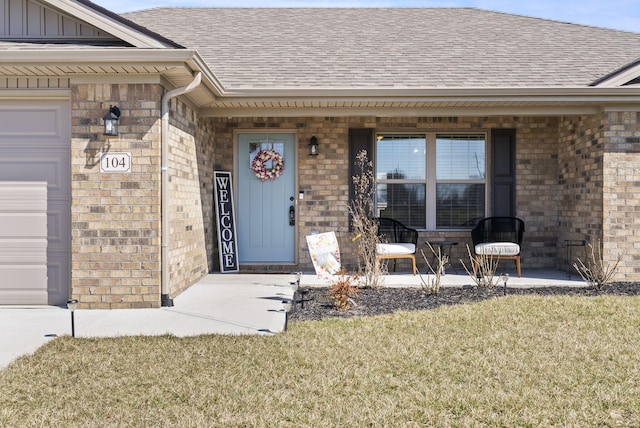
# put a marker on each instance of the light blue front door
(265, 233)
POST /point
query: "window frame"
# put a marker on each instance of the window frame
(431, 180)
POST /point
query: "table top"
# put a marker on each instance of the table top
(442, 242)
(575, 242)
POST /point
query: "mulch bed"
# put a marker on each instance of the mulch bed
(370, 301)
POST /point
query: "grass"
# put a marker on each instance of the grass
(515, 361)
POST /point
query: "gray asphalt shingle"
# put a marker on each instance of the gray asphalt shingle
(392, 48)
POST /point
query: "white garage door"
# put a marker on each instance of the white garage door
(35, 146)
(23, 242)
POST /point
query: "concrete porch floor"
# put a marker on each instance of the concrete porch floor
(530, 278)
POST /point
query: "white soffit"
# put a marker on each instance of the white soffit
(413, 102)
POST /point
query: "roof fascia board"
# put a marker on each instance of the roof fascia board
(187, 58)
(113, 56)
(437, 94)
(110, 23)
(400, 111)
(209, 78)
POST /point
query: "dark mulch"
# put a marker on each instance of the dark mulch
(370, 302)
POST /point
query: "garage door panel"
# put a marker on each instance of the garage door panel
(58, 229)
(16, 225)
(23, 242)
(43, 122)
(58, 277)
(17, 291)
(35, 145)
(24, 252)
(20, 168)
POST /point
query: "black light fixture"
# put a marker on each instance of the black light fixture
(111, 121)
(313, 146)
(504, 278)
(286, 307)
(71, 305)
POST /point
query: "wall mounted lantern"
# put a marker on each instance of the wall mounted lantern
(313, 146)
(111, 121)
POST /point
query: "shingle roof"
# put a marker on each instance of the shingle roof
(392, 48)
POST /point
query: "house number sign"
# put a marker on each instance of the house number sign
(115, 162)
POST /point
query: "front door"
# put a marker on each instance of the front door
(266, 198)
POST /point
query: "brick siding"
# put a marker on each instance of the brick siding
(116, 216)
(324, 178)
(576, 179)
(621, 205)
(115, 251)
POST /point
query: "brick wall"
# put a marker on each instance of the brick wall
(599, 160)
(116, 228)
(580, 179)
(324, 178)
(191, 225)
(621, 183)
(115, 225)
(563, 165)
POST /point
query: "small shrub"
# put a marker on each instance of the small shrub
(483, 269)
(595, 271)
(432, 285)
(343, 290)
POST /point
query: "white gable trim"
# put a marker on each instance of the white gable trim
(106, 23)
(620, 77)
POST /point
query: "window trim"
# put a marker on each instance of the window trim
(430, 165)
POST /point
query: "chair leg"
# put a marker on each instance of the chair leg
(518, 266)
(413, 260)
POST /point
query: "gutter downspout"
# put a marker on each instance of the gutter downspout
(165, 300)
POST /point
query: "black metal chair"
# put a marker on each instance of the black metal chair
(397, 241)
(500, 237)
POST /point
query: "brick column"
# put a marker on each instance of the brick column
(116, 216)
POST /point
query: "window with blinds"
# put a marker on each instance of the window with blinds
(431, 180)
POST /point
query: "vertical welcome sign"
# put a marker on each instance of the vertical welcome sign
(227, 238)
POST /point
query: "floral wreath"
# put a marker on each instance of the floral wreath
(264, 173)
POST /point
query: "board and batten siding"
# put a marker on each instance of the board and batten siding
(26, 19)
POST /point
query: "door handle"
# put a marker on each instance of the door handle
(292, 215)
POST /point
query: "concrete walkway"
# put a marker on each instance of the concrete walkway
(218, 304)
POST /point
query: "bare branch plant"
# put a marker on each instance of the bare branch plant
(365, 228)
(595, 271)
(483, 269)
(432, 284)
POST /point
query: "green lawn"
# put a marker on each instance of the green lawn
(513, 362)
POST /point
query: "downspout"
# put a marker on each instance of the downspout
(165, 300)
